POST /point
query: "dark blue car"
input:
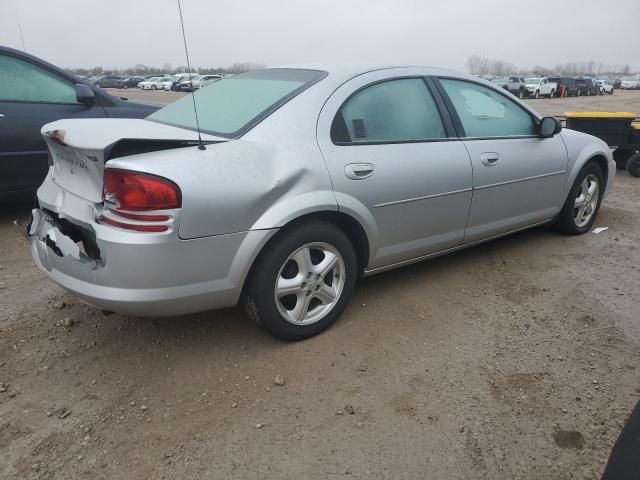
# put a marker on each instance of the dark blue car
(34, 92)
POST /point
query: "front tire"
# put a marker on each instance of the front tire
(302, 281)
(153, 87)
(552, 94)
(537, 94)
(582, 205)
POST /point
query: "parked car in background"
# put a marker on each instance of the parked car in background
(630, 83)
(540, 86)
(180, 77)
(150, 83)
(587, 86)
(108, 81)
(130, 82)
(566, 86)
(156, 83)
(189, 85)
(500, 81)
(605, 86)
(616, 82)
(517, 86)
(307, 179)
(34, 92)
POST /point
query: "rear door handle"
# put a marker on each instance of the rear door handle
(490, 158)
(359, 171)
(1, 115)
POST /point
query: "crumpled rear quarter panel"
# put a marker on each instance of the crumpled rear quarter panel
(239, 185)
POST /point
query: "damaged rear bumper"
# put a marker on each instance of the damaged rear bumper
(137, 273)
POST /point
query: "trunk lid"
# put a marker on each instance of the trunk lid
(80, 148)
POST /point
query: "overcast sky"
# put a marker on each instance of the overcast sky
(121, 33)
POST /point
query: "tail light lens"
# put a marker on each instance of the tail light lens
(135, 191)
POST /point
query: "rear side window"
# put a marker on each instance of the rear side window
(390, 111)
(484, 112)
(22, 81)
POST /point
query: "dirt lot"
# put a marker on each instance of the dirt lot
(515, 359)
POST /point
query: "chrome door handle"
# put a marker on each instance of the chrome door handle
(359, 171)
(489, 159)
(1, 115)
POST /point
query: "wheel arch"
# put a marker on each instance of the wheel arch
(351, 227)
(602, 162)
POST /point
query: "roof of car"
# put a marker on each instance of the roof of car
(340, 72)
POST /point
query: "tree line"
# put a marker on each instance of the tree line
(480, 65)
(145, 70)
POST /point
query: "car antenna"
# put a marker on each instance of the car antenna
(193, 96)
(24, 49)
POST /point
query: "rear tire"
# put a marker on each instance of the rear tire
(153, 87)
(537, 94)
(521, 94)
(582, 205)
(579, 93)
(552, 94)
(292, 262)
(611, 92)
(633, 165)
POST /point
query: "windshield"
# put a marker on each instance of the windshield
(532, 80)
(233, 105)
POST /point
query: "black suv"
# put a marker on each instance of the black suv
(567, 86)
(587, 86)
(34, 92)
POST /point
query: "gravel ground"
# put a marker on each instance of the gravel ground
(514, 359)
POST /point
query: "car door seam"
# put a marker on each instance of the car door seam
(425, 197)
(525, 179)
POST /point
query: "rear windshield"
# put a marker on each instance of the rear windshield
(233, 105)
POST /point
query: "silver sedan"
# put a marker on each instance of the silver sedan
(290, 183)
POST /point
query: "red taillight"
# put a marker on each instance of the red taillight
(139, 191)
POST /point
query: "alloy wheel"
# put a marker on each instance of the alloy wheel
(584, 206)
(309, 283)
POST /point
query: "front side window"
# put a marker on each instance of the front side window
(22, 81)
(234, 104)
(484, 112)
(391, 111)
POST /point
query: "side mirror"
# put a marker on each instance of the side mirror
(84, 94)
(549, 126)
